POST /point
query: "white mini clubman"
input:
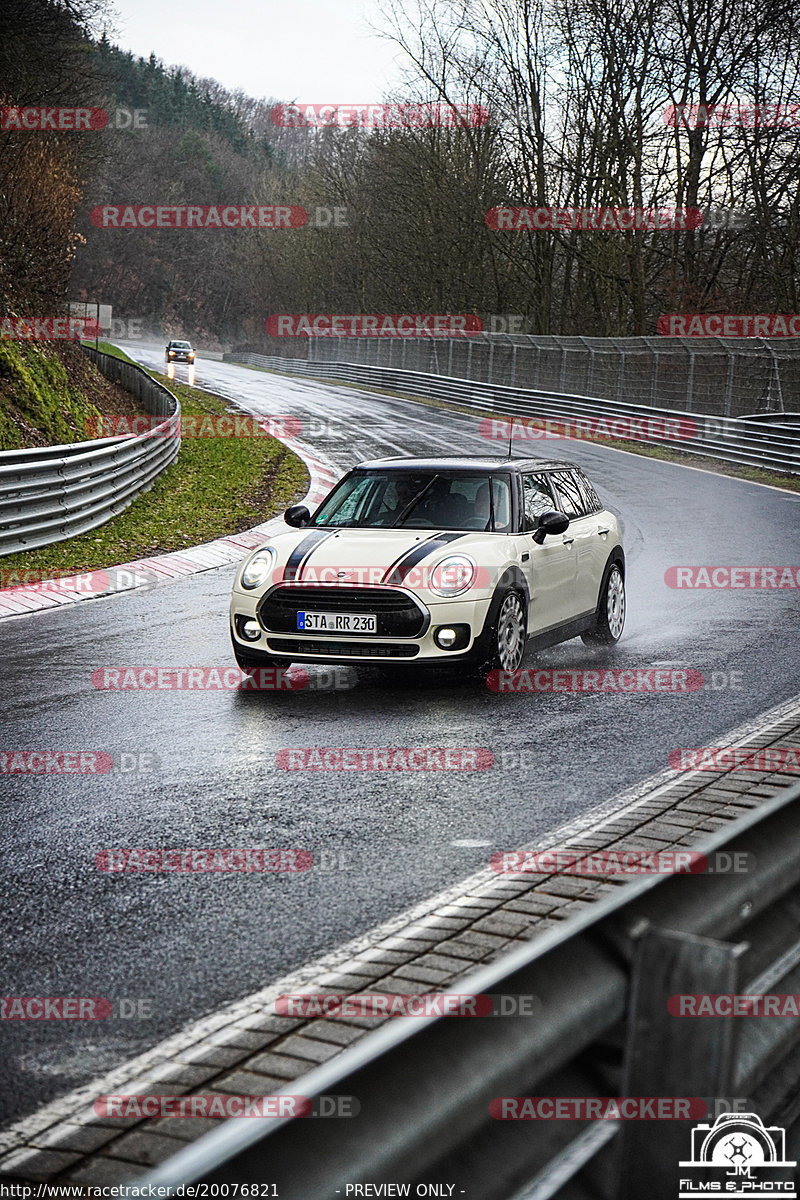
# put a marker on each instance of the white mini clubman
(429, 560)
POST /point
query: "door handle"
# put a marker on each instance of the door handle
(567, 541)
(601, 531)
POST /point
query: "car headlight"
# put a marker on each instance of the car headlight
(453, 575)
(258, 569)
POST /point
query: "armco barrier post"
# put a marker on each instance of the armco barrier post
(669, 1056)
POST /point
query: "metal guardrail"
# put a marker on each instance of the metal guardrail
(746, 442)
(601, 1028)
(51, 494)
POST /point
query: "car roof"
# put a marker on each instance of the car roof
(465, 462)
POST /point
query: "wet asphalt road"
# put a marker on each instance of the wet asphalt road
(189, 943)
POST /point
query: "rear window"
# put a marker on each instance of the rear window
(591, 499)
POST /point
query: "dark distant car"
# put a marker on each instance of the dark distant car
(180, 352)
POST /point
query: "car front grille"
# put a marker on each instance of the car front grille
(397, 613)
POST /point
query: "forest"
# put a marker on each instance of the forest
(581, 105)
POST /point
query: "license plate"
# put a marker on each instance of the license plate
(327, 622)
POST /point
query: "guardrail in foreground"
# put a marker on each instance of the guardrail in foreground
(744, 441)
(602, 1029)
(53, 493)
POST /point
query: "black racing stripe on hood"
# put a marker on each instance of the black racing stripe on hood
(302, 552)
(400, 557)
(397, 572)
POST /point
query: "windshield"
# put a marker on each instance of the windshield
(419, 500)
(181, 345)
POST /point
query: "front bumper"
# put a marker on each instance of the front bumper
(298, 646)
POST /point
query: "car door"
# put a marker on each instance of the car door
(550, 569)
(590, 530)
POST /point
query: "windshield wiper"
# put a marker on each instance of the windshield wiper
(413, 503)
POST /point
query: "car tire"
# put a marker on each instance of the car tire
(503, 647)
(610, 618)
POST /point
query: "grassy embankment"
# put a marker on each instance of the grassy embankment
(217, 486)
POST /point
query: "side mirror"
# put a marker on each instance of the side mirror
(298, 515)
(550, 523)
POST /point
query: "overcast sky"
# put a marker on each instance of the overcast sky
(317, 51)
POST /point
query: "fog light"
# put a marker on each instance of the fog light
(251, 630)
(445, 637)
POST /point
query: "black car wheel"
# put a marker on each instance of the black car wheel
(610, 611)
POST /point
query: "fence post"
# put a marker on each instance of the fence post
(654, 383)
(729, 382)
(668, 1055)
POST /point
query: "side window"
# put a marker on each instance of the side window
(567, 493)
(592, 501)
(536, 499)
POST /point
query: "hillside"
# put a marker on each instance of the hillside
(49, 395)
